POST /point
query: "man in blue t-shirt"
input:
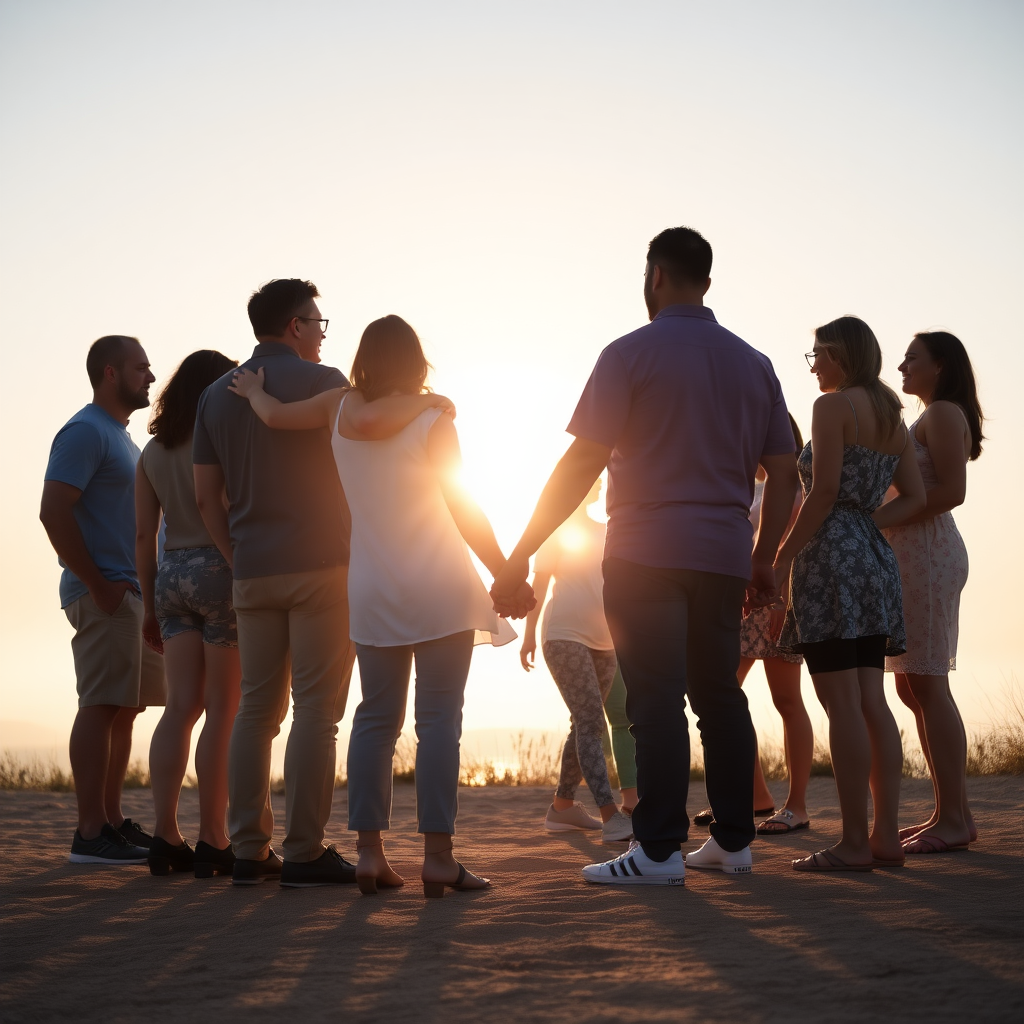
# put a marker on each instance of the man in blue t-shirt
(682, 412)
(88, 510)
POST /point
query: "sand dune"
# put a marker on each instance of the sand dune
(940, 940)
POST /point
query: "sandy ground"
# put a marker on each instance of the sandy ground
(940, 940)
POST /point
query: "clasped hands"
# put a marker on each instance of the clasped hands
(511, 595)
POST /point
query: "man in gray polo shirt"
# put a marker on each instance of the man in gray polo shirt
(285, 532)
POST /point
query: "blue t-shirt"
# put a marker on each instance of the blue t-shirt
(94, 453)
(688, 410)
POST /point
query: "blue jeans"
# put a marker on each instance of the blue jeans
(677, 635)
(442, 667)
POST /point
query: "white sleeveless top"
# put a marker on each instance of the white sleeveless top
(411, 578)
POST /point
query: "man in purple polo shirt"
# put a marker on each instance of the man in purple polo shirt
(681, 412)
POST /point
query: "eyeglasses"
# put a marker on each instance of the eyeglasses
(810, 357)
(313, 320)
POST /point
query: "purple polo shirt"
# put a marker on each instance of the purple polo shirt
(688, 410)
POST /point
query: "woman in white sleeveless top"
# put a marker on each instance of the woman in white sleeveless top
(414, 595)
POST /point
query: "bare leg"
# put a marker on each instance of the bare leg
(906, 694)
(168, 753)
(850, 744)
(117, 766)
(629, 798)
(373, 862)
(784, 683)
(947, 742)
(89, 750)
(886, 764)
(762, 794)
(221, 692)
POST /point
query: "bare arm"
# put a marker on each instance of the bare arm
(446, 458)
(385, 417)
(58, 519)
(147, 526)
(209, 481)
(910, 498)
(944, 430)
(568, 485)
(780, 486)
(528, 652)
(826, 469)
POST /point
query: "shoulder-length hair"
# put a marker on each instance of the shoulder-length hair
(956, 380)
(174, 411)
(389, 358)
(853, 346)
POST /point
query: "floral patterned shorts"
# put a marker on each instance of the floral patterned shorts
(193, 593)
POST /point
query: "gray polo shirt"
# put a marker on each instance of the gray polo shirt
(286, 509)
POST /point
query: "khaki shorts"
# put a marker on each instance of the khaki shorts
(112, 663)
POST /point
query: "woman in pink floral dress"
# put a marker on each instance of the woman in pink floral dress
(933, 570)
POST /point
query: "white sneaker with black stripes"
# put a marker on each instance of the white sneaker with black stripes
(634, 867)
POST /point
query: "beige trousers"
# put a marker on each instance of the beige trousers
(296, 621)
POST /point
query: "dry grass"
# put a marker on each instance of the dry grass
(533, 762)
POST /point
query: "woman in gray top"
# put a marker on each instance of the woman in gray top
(189, 617)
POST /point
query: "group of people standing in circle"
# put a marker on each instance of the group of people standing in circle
(309, 519)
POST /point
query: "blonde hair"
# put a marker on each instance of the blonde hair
(852, 345)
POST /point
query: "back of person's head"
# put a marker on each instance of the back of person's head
(798, 437)
(683, 254)
(853, 346)
(110, 350)
(389, 358)
(956, 381)
(273, 306)
(174, 411)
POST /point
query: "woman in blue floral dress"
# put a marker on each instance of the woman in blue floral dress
(845, 609)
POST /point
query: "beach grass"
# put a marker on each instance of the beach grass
(535, 762)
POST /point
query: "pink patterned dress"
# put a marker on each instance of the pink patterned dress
(933, 571)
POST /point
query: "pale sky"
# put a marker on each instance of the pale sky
(493, 173)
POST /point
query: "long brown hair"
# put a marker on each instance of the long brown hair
(174, 411)
(853, 346)
(389, 358)
(956, 380)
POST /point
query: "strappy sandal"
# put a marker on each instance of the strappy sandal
(783, 818)
(368, 883)
(435, 890)
(826, 860)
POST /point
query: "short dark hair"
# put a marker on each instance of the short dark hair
(110, 350)
(389, 358)
(273, 306)
(683, 254)
(174, 411)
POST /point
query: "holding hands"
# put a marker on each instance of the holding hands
(512, 596)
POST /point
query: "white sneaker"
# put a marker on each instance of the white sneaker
(634, 867)
(712, 857)
(572, 818)
(617, 829)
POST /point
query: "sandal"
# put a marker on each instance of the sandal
(826, 860)
(435, 890)
(707, 816)
(783, 818)
(931, 844)
(368, 883)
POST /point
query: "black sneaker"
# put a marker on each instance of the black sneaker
(135, 834)
(252, 872)
(210, 861)
(109, 847)
(330, 868)
(164, 858)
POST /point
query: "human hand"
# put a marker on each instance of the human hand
(245, 382)
(443, 403)
(507, 591)
(762, 591)
(528, 652)
(151, 633)
(108, 594)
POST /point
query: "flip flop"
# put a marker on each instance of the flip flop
(826, 860)
(931, 844)
(783, 818)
